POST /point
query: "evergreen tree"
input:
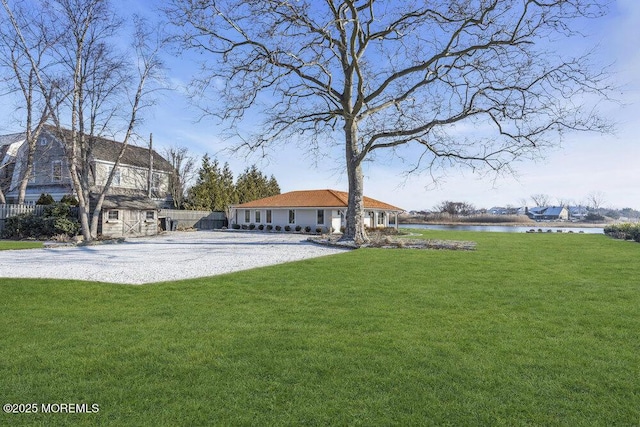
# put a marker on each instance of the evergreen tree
(227, 192)
(202, 195)
(253, 185)
(215, 189)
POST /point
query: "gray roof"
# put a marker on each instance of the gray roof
(6, 140)
(108, 150)
(123, 201)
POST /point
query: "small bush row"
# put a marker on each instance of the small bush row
(288, 228)
(624, 231)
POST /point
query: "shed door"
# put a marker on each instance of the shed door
(132, 222)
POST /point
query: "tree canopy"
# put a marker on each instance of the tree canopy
(473, 83)
(215, 188)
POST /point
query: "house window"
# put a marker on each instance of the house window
(320, 217)
(112, 215)
(269, 216)
(56, 171)
(292, 216)
(151, 215)
(381, 218)
(247, 215)
(43, 141)
(257, 216)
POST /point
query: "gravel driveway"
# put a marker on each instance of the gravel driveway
(172, 256)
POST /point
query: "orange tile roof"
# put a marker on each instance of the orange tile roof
(314, 199)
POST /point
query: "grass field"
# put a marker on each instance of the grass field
(6, 245)
(529, 329)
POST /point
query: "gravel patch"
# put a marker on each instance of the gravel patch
(171, 256)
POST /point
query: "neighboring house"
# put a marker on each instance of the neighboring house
(548, 213)
(497, 210)
(325, 209)
(578, 212)
(127, 209)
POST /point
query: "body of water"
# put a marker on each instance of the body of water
(505, 228)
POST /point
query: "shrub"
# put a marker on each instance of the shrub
(245, 227)
(45, 199)
(593, 217)
(56, 220)
(624, 231)
(298, 228)
(235, 226)
(318, 230)
(269, 227)
(252, 226)
(278, 228)
(287, 228)
(307, 229)
(69, 199)
(261, 227)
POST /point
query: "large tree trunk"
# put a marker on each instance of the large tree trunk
(24, 180)
(354, 230)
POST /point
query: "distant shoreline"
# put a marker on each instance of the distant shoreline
(546, 224)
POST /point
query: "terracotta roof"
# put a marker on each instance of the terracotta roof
(314, 199)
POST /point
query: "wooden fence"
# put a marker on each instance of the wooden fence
(203, 220)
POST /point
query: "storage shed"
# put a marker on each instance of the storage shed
(128, 216)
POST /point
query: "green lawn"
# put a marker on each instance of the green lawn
(529, 329)
(6, 245)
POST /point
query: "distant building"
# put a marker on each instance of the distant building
(578, 212)
(548, 213)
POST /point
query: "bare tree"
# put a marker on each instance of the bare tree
(26, 53)
(565, 202)
(107, 90)
(595, 200)
(184, 165)
(540, 199)
(455, 208)
(396, 75)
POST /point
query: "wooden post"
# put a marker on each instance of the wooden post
(150, 180)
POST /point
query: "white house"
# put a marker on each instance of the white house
(324, 209)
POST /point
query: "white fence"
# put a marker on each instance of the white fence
(7, 211)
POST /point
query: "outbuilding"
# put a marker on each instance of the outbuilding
(128, 216)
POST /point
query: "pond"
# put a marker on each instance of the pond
(505, 228)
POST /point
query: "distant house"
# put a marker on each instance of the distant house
(497, 210)
(127, 209)
(577, 212)
(548, 213)
(325, 209)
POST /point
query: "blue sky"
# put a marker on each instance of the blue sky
(585, 163)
